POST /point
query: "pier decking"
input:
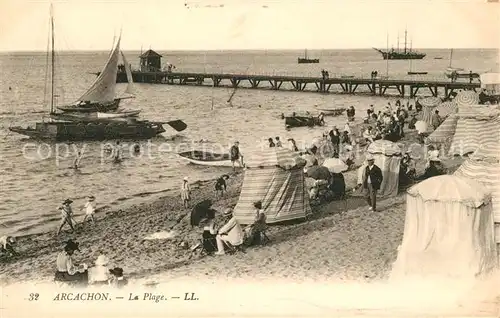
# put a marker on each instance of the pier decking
(347, 85)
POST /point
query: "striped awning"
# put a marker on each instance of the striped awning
(430, 101)
(465, 98)
(444, 133)
(275, 156)
(479, 112)
(447, 108)
(472, 132)
(489, 152)
(384, 147)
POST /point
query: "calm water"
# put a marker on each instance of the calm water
(35, 182)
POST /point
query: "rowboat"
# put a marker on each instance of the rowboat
(332, 112)
(302, 121)
(207, 158)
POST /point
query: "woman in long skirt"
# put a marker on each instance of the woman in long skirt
(185, 192)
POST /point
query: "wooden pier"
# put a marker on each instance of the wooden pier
(346, 85)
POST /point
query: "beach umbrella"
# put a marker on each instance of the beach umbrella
(335, 165)
(421, 126)
(430, 101)
(466, 98)
(318, 173)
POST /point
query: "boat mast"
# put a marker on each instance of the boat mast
(451, 56)
(52, 68)
(305, 54)
(405, 39)
(387, 60)
(398, 41)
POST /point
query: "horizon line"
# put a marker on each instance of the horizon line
(243, 50)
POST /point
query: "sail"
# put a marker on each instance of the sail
(130, 87)
(104, 87)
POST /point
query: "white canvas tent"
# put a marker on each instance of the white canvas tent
(448, 230)
(387, 155)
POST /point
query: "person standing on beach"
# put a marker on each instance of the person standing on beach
(66, 215)
(271, 143)
(436, 120)
(236, 155)
(185, 192)
(89, 209)
(372, 179)
(278, 142)
(76, 162)
(117, 156)
(220, 186)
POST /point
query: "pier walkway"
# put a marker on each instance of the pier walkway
(345, 84)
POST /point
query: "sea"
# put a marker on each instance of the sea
(37, 177)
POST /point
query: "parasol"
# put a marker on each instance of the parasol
(430, 101)
(466, 98)
(421, 126)
(335, 165)
(318, 173)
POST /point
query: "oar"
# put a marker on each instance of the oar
(178, 124)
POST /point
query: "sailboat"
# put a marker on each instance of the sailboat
(406, 54)
(74, 130)
(456, 72)
(305, 60)
(100, 96)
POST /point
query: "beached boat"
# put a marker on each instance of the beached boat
(74, 127)
(207, 158)
(302, 121)
(332, 112)
(417, 73)
(457, 72)
(88, 107)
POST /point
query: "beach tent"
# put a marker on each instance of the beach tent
(387, 157)
(275, 177)
(484, 166)
(448, 230)
(477, 124)
(443, 135)
(447, 108)
(429, 105)
(490, 82)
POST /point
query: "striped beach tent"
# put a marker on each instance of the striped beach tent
(275, 177)
(429, 105)
(387, 155)
(484, 166)
(447, 108)
(444, 133)
(475, 126)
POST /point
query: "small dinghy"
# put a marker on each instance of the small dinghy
(332, 112)
(207, 158)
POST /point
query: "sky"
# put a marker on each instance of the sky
(249, 24)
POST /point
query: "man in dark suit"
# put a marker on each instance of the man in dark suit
(372, 178)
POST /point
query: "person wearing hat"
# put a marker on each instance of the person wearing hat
(7, 245)
(372, 179)
(221, 186)
(99, 274)
(89, 209)
(66, 215)
(436, 120)
(66, 270)
(235, 155)
(231, 233)
(185, 192)
(117, 280)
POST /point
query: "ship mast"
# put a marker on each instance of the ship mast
(52, 68)
(405, 39)
(398, 41)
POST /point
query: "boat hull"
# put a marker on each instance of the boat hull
(417, 73)
(301, 60)
(302, 121)
(92, 107)
(332, 112)
(460, 73)
(206, 158)
(79, 131)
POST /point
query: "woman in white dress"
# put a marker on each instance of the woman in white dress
(185, 192)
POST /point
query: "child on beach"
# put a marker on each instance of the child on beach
(89, 209)
(66, 215)
(220, 186)
(185, 192)
(117, 280)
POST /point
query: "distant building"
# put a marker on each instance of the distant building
(150, 61)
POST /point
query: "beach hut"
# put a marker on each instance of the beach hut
(443, 135)
(448, 230)
(476, 125)
(387, 155)
(275, 177)
(490, 83)
(484, 166)
(429, 105)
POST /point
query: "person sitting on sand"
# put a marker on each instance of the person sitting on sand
(66, 215)
(231, 233)
(412, 122)
(278, 142)
(368, 135)
(208, 238)
(292, 144)
(271, 143)
(99, 274)
(220, 185)
(89, 209)
(7, 245)
(117, 279)
(66, 270)
(185, 192)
